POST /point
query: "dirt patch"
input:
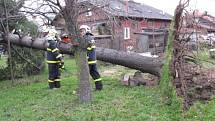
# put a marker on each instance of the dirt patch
(151, 80)
(109, 72)
(202, 86)
(199, 85)
(138, 78)
(116, 71)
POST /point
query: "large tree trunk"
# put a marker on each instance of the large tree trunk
(70, 15)
(131, 60)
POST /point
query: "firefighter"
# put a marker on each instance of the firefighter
(85, 32)
(54, 59)
(65, 38)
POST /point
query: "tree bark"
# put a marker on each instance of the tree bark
(70, 15)
(130, 60)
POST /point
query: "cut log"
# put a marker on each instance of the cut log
(130, 60)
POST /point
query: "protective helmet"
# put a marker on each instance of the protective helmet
(87, 28)
(52, 33)
(64, 36)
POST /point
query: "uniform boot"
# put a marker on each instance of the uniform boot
(51, 85)
(98, 85)
(57, 84)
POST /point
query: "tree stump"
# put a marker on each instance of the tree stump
(212, 53)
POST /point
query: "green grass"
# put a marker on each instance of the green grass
(202, 112)
(168, 91)
(30, 99)
(3, 61)
(204, 57)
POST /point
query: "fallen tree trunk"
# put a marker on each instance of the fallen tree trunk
(131, 60)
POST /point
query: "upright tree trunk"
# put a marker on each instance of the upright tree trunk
(179, 52)
(70, 15)
(8, 43)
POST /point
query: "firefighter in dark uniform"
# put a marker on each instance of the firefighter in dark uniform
(54, 59)
(91, 55)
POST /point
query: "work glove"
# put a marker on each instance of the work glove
(61, 65)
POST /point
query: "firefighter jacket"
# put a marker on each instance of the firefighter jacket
(53, 55)
(91, 48)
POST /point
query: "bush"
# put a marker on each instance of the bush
(25, 62)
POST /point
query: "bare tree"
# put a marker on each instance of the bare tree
(181, 54)
(9, 15)
(70, 12)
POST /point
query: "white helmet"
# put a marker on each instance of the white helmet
(92, 41)
(52, 33)
(87, 28)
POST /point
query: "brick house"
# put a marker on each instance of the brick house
(124, 21)
(198, 21)
(198, 26)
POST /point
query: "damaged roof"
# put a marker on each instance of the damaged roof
(119, 8)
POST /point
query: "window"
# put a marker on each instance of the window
(151, 46)
(101, 29)
(89, 13)
(126, 33)
(150, 24)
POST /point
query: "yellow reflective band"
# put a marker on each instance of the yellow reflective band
(89, 48)
(50, 81)
(99, 79)
(55, 50)
(53, 61)
(60, 55)
(92, 62)
(93, 46)
(57, 80)
(48, 49)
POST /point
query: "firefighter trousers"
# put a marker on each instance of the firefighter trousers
(54, 76)
(96, 76)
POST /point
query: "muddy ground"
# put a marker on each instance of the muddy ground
(199, 83)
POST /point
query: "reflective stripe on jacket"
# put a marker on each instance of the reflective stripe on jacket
(91, 48)
(53, 55)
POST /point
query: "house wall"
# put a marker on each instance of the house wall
(156, 44)
(142, 43)
(156, 24)
(151, 43)
(117, 26)
(138, 25)
(97, 16)
(104, 42)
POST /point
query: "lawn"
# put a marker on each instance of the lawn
(29, 99)
(3, 61)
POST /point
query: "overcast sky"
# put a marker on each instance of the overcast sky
(170, 5)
